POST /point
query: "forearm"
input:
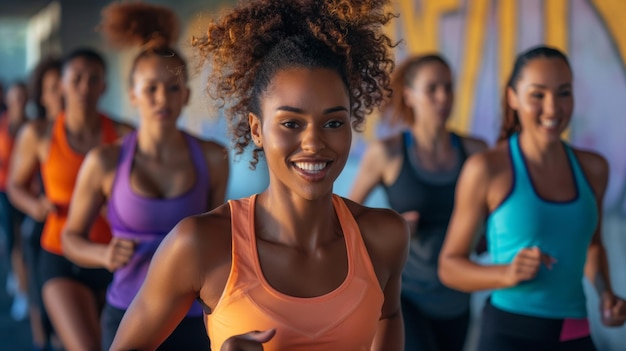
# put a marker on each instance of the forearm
(82, 251)
(464, 275)
(23, 199)
(597, 269)
(145, 326)
(390, 334)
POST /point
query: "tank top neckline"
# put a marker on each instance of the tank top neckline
(60, 130)
(433, 178)
(338, 205)
(516, 149)
(130, 146)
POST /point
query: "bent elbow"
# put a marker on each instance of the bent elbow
(10, 190)
(446, 272)
(443, 271)
(66, 245)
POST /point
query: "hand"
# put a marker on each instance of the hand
(252, 341)
(612, 310)
(119, 251)
(42, 209)
(526, 264)
(411, 217)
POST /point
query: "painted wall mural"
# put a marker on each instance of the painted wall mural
(481, 39)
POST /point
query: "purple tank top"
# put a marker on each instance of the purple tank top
(148, 220)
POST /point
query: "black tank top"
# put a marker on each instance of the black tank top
(421, 191)
(431, 194)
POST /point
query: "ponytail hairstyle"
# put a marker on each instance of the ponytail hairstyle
(247, 46)
(510, 120)
(46, 65)
(152, 28)
(396, 110)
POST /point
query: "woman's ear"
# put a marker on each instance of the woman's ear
(512, 98)
(255, 129)
(407, 94)
(132, 96)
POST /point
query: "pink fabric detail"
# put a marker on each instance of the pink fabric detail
(574, 329)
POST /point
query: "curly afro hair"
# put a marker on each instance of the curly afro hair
(153, 28)
(248, 45)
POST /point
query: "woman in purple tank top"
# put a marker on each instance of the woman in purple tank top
(149, 181)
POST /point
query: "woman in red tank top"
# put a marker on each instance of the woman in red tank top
(72, 296)
(295, 267)
(11, 122)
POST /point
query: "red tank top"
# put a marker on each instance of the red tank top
(344, 319)
(59, 174)
(6, 147)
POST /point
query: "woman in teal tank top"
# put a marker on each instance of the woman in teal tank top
(542, 200)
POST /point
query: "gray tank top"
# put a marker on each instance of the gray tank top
(432, 195)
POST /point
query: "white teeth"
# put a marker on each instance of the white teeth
(549, 123)
(311, 167)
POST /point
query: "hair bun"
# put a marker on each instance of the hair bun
(139, 24)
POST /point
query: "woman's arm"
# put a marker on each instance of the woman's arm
(24, 165)
(612, 308)
(393, 244)
(386, 236)
(456, 270)
(87, 201)
(370, 172)
(173, 282)
(217, 160)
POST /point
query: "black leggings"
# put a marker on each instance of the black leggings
(190, 334)
(31, 247)
(10, 219)
(502, 330)
(424, 333)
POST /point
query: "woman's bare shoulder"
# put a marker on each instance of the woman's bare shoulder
(385, 232)
(204, 238)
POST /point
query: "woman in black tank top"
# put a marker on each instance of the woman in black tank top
(418, 170)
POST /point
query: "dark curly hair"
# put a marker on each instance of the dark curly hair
(247, 46)
(36, 82)
(510, 120)
(154, 28)
(395, 108)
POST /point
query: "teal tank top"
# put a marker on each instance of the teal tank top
(561, 229)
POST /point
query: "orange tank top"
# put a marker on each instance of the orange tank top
(6, 147)
(59, 174)
(344, 319)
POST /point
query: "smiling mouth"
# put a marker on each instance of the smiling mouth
(163, 113)
(312, 171)
(312, 167)
(550, 123)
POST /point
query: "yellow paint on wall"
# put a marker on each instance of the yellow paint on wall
(421, 26)
(475, 33)
(613, 14)
(555, 17)
(507, 26)
(556, 13)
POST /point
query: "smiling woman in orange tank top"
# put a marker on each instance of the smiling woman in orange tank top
(72, 296)
(294, 267)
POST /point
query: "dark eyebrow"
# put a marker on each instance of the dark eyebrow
(335, 109)
(300, 111)
(290, 109)
(541, 86)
